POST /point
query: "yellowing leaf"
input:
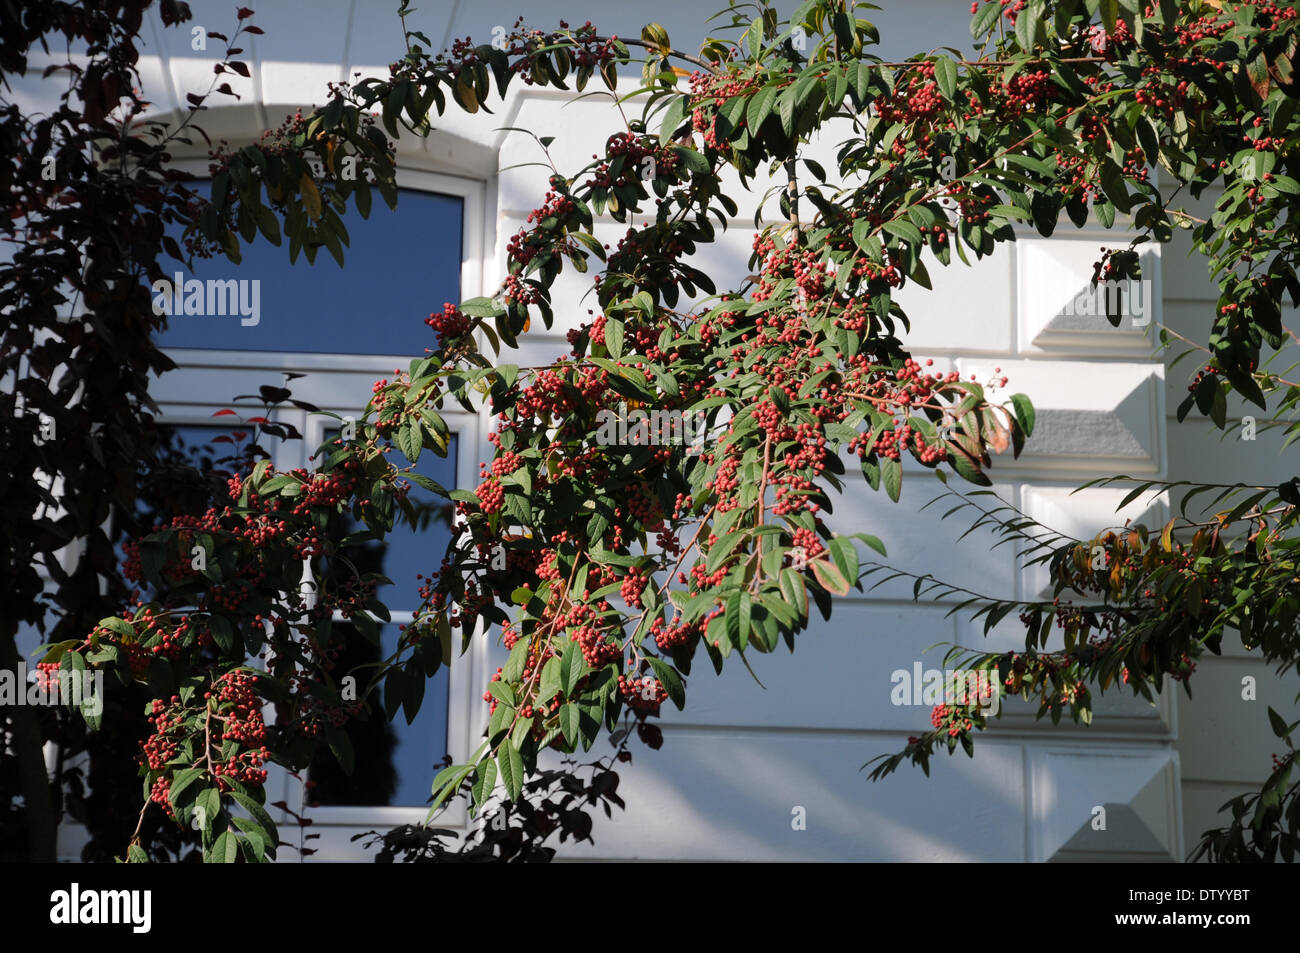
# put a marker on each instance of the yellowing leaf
(829, 575)
(466, 93)
(310, 196)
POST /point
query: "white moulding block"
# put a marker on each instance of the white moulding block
(724, 794)
(1093, 419)
(1059, 310)
(1224, 726)
(286, 83)
(918, 540)
(1137, 789)
(842, 675)
(969, 309)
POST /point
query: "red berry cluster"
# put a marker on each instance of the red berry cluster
(674, 635)
(449, 323)
(643, 694)
(633, 585)
(633, 150)
(236, 712)
(709, 93)
(952, 717)
(491, 495)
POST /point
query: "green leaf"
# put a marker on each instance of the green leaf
(446, 783)
(408, 439)
(794, 591)
(572, 667)
(754, 38)
(570, 721)
(1024, 29)
(479, 308)
(1109, 13)
(1024, 413)
(485, 779)
(1278, 723)
(672, 682)
(180, 783)
(502, 693)
(966, 465)
(673, 117)
(786, 107)
(513, 670)
(259, 815)
(693, 160)
(872, 541)
(225, 850)
(739, 611)
(760, 106)
(830, 577)
(845, 555)
(614, 337)
(891, 472)
(255, 837)
(207, 806)
(945, 74)
(550, 681)
(118, 626)
(905, 230)
(984, 19)
(341, 745)
(511, 764)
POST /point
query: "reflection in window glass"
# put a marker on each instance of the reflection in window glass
(194, 461)
(402, 264)
(395, 763)
(407, 553)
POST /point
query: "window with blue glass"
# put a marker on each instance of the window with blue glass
(401, 263)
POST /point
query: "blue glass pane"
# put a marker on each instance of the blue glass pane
(407, 553)
(401, 265)
(393, 763)
(421, 745)
(205, 446)
(173, 488)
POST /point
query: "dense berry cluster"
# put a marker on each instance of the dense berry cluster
(709, 92)
(449, 323)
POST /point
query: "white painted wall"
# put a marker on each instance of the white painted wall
(741, 758)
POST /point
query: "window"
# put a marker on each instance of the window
(341, 329)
